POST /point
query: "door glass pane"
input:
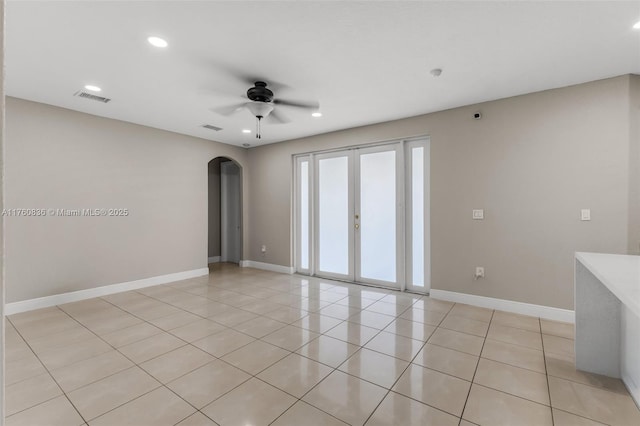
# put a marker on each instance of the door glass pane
(378, 216)
(304, 214)
(417, 216)
(333, 215)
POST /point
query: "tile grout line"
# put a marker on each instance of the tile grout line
(464, 407)
(512, 394)
(546, 373)
(522, 368)
(48, 372)
(257, 378)
(583, 417)
(406, 368)
(146, 372)
(334, 369)
(135, 364)
(252, 375)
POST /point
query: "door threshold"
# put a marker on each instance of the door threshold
(426, 293)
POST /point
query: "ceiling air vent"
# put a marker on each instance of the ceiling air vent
(86, 95)
(210, 127)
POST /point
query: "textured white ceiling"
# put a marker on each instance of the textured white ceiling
(365, 62)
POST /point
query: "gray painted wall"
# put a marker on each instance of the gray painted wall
(57, 158)
(531, 163)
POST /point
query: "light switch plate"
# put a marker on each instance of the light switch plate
(585, 214)
(478, 214)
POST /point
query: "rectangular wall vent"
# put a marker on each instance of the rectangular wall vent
(210, 127)
(86, 95)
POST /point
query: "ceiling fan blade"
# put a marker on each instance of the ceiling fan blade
(226, 71)
(228, 109)
(248, 78)
(297, 104)
(278, 117)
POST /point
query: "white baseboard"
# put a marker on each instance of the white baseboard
(266, 266)
(546, 312)
(214, 259)
(634, 391)
(74, 296)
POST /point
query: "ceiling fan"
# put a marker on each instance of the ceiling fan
(262, 104)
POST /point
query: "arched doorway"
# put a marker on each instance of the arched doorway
(225, 211)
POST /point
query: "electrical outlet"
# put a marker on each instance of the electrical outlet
(263, 248)
(478, 214)
(479, 272)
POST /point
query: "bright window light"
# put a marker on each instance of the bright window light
(157, 42)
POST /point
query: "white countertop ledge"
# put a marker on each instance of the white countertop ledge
(619, 273)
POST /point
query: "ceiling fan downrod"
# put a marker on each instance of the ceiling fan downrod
(259, 119)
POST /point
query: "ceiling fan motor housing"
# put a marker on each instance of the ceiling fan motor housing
(260, 93)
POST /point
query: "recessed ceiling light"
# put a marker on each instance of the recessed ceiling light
(157, 42)
(92, 88)
(316, 114)
(246, 131)
(636, 26)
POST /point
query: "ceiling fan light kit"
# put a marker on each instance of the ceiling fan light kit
(261, 103)
(260, 109)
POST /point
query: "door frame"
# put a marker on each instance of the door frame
(403, 252)
(297, 214)
(225, 188)
(408, 146)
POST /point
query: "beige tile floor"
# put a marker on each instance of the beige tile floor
(248, 347)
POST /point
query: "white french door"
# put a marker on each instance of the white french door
(378, 220)
(334, 212)
(351, 215)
